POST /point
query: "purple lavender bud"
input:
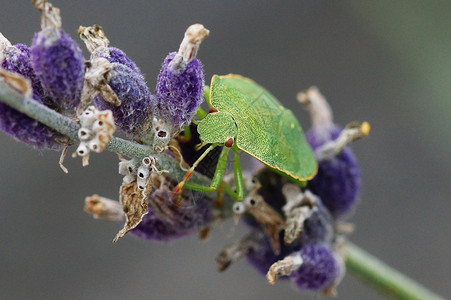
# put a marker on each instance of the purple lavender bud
(338, 180)
(318, 270)
(179, 90)
(28, 130)
(173, 222)
(16, 59)
(179, 94)
(59, 65)
(57, 60)
(134, 114)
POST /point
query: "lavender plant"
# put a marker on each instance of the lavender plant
(296, 232)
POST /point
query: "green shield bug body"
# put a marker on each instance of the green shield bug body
(246, 117)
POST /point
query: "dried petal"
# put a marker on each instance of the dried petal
(283, 267)
(104, 208)
(134, 205)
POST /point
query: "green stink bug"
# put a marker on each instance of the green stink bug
(246, 117)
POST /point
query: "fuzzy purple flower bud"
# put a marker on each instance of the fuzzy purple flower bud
(134, 114)
(58, 61)
(338, 180)
(125, 92)
(28, 130)
(179, 94)
(179, 90)
(16, 59)
(318, 270)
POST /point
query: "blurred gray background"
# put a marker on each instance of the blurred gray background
(384, 62)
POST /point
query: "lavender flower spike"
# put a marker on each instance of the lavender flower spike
(179, 90)
(313, 268)
(113, 81)
(57, 60)
(16, 59)
(338, 180)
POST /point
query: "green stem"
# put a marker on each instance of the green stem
(371, 270)
(383, 278)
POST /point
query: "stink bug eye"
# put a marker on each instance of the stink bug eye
(229, 143)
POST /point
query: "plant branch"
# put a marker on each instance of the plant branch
(69, 128)
(361, 264)
(384, 278)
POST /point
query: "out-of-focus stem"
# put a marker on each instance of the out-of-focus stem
(384, 278)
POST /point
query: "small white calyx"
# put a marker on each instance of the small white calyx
(97, 128)
(284, 267)
(194, 36)
(133, 170)
(161, 135)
